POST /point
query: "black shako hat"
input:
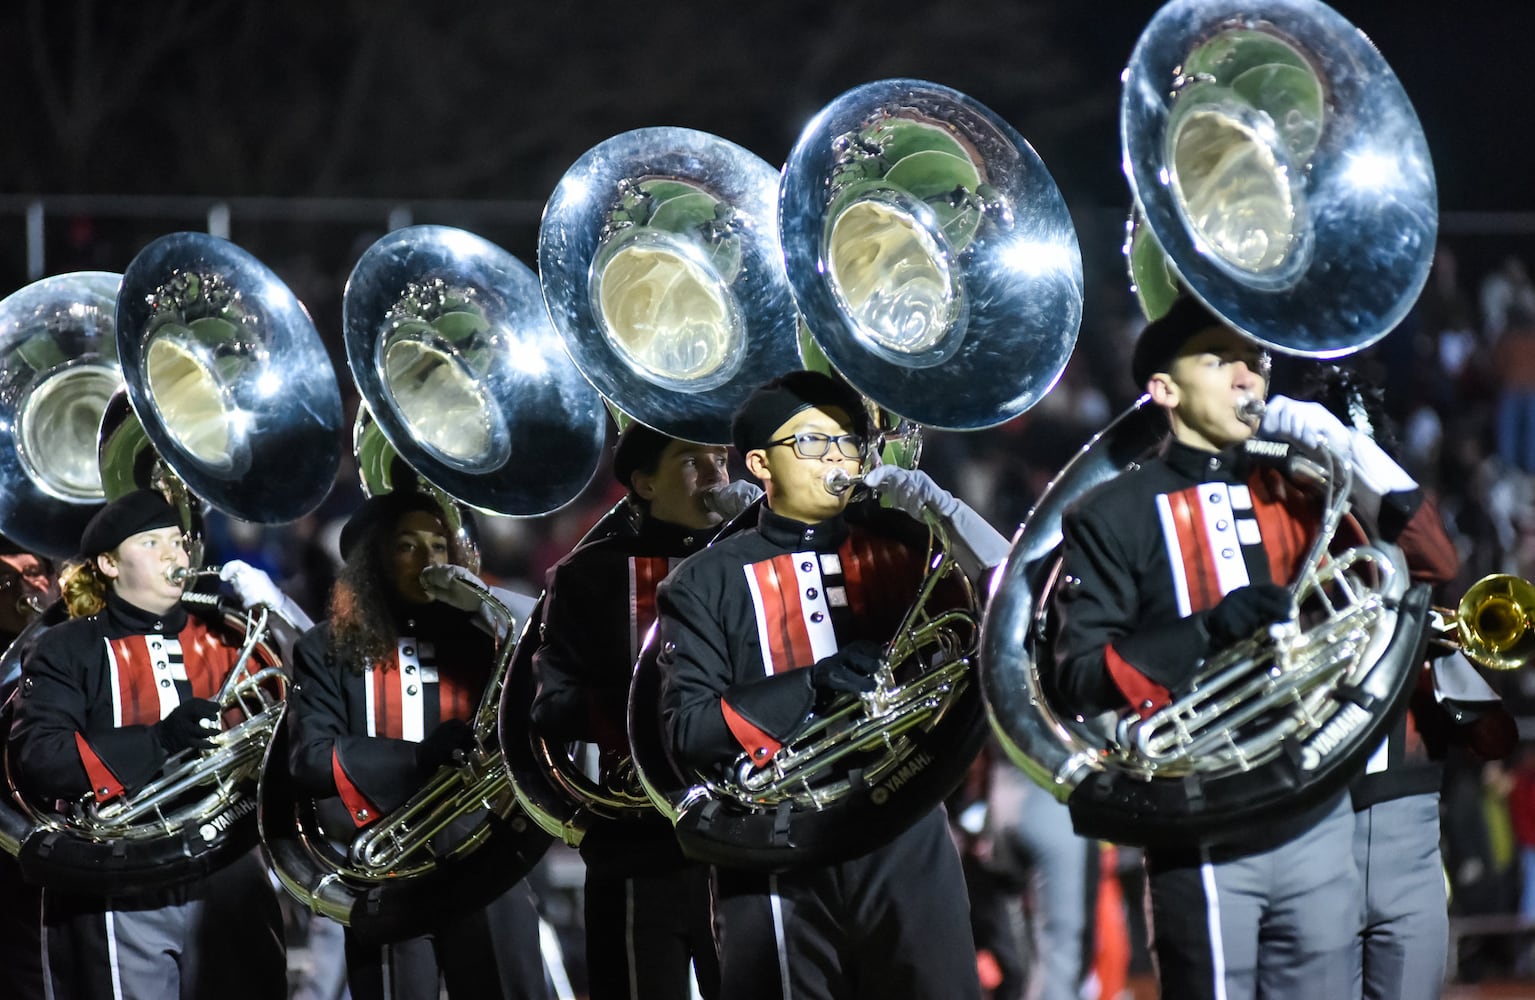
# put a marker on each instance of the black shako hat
(639, 447)
(383, 509)
(771, 405)
(141, 510)
(1163, 337)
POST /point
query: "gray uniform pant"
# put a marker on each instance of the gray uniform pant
(219, 938)
(1272, 924)
(1033, 833)
(1406, 922)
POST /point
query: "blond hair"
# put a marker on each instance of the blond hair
(83, 587)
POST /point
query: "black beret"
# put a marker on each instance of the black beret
(1163, 337)
(385, 508)
(141, 510)
(639, 448)
(10, 548)
(770, 406)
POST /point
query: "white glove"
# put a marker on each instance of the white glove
(911, 491)
(977, 545)
(1314, 426)
(732, 498)
(454, 586)
(1307, 424)
(251, 585)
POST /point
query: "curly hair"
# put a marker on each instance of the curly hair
(362, 616)
(83, 587)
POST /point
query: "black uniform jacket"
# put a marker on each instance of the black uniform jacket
(739, 619)
(93, 688)
(1148, 553)
(599, 606)
(354, 727)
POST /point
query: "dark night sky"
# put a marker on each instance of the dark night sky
(492, 101)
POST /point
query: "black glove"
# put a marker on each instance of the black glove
(850, 668)
(188, 726)
(1244, 611)
(442, 743)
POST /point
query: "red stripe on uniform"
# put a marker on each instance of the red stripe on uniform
(388, 712)
(358, 806)
(1194, 549)
(855, 553)
(649, 571)
(208, 662)
(104, 784)
(759, 746)
(1283, 515)
(883, 576)
(784, 615)
(1144, 694)
(136, 695)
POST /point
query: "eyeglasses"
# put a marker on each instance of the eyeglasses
(810, 444)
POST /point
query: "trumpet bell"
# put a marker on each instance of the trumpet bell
(448, 341)
(58, 369)
(1280, 167)
(1494, 623)
(229, 378)
(931, 254)
(661, 267)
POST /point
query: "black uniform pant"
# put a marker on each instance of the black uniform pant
(21, 950)
(219, 938)
(644, 932)
(492, 951)
(890, 923)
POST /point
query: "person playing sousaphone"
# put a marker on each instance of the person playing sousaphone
(768, 624)
(383, 692)
(106, 699)
(646, 908)
(1183, 556)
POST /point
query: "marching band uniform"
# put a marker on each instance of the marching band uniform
(98, 698)
(646, 907)
(366, 736)
(1163, 565)
(749, 627)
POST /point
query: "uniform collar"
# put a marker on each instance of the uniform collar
(1200, 464)
(133, 618)
(797, 536)
(676, 537)
(431, 618)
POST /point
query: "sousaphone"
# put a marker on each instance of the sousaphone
(58, 369)
(227, 397)
(1277, 163)
(937, 269)
(450, 347)
(661, 267)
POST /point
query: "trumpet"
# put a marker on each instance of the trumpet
(1492, 624)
